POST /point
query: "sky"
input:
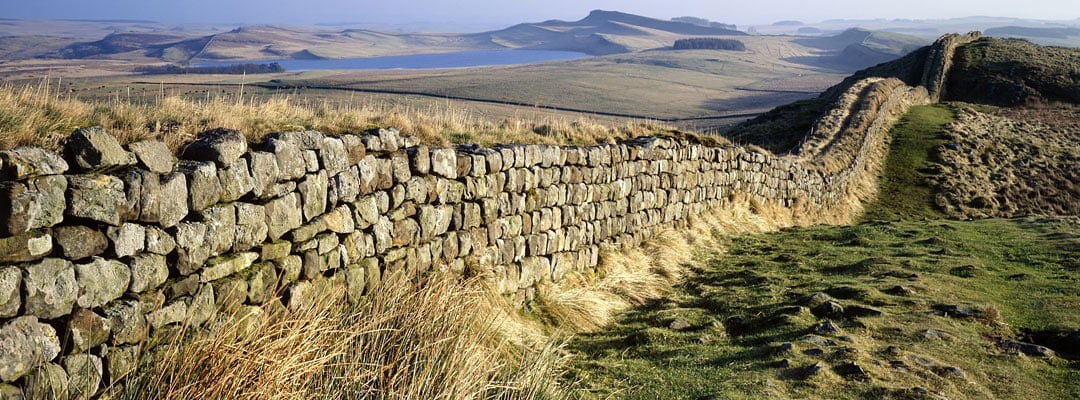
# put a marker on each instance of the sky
(507, 12)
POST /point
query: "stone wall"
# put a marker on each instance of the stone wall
(105, 246)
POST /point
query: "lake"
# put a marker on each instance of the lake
(476, 58)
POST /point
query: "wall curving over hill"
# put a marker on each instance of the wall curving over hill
(106, 246)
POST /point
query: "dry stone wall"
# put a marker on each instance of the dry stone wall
(105, 246)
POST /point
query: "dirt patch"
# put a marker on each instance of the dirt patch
(1011, 162)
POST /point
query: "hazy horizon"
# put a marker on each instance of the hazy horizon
(485, 13)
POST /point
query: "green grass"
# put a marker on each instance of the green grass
(738, 308)
(905, 189)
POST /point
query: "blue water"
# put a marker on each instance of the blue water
(476, 58)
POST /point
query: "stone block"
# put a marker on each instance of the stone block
(127, 239)
(419, 159)
(94, 150)
(313, 195)
(25, 344)
(121, 361)
(333, 156)
(172, 313)
(220, 222)
(220, 146)
(36, 203)
(173, 200)
(101, 281)
(48, 381)
(78, 242)
(221, 267)
(289, 268)
(96, 197)
(261, 283)
(344, 187)
(231, 293)
(49, 288)
(10, 297)
(148, 272)
(192, 247)
(203, 306)
(27, 162)
(444, 162)
(128, 321)
(87, 330)
(236, 180)
(406, 233)
(283, 215)
(275, 250)
(204, 187)
(290, 159)
(85, 372)
(153, 155)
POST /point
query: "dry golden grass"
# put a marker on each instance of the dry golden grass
(433, 340)
(40, 114)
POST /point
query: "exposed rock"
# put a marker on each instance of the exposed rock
(852, 370)
(78, 242)
(283, 215)
(49, 381)
(230, 293)
(172, 313)
(679, 324)
(10, 283)
(220, 221)
(900, 291)
(313, 195)
(419, 159)
(127, 239)
(934, 334)
(289, 268)
(96, 197)
(36, 203)
(148, 272)
(94, 150)
(84, 375)
(202, 307)
(224, 266)
(221, 146)
(290, 160)
(25, 344)
(275, 250)
(203, 185)
(127, 320)
(173, 200)
(154, 155)
(87, 330)
(444, 163)
(49, 288)
(251, 229)
(27, 162)
(101, 281)
(1029, 349)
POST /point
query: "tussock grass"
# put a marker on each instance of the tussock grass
(39, 114)
(433, 340)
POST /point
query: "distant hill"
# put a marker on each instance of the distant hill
(859, 48)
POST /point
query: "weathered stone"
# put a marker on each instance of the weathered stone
(251, 229)
(27, 162)
(399, 163)
(355, 276)
(236, 181)
(299, 295)
(283, 215)
(306, 233)
(127, 239)
(383, 232)
(172, 313)
(202, 307)
(339, 220)
(101, 281)
(128, 321)
(97, 197)
(359, 245)
(49, 381)
(148, 272)
(84, 375)
(220, 221)
(25, 344)
(221, 146)
(311, 160)
(10, 284)
(314, 264)
(290, 160)
(354, 146)
(94, 150)
(49, 288)
(221, 267)
(276, 250)
(420, 159)
(122, 360)
(261, 283)
(289, 268)
(444, 163)
(344, 187)
(372, 143)
(406, 233)
(313, 195)
(264, 173)
(192, 249)
(87, 330)
(158, 241)
(333, 156)
(173, 200)
(204, 188)
(231, 293)
(79, 242)
(390, 138)
(37, 203)
(365, 169)
(154, 155)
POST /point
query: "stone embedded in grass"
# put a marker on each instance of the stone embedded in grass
(829, 309)
(899, 290)
(679, 324)
(852, 370)
(1029, 349)
(826, 327)
(85, 372)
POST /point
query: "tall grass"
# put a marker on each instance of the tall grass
(433, 340)
(39, 114)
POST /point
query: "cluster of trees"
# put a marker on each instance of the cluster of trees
(704, 22)
(225, 69)
(709, 44)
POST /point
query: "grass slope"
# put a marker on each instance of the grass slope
(909, 308)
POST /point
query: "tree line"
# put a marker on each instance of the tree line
(709, 44)
(234, 69)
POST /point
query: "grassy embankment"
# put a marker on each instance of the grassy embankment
(43, 115)
(911, 307)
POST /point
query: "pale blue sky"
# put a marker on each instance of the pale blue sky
(490, 12)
